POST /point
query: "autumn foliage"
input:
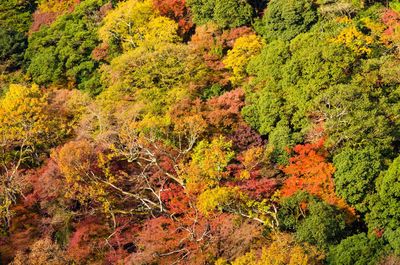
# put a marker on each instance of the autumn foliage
(176, 10)
(309, 171)
(224, 132)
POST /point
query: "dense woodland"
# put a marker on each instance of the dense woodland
(226, 132)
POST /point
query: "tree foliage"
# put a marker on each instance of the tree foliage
(243, 50)
(15, 19)
(283, 250)
(357, 249)
(199, 132)
(383, 216)
(355, 175)
(61, 53)
(285, 20)
(135, 23)
(308, 171)
(225, 13)
(27, 122)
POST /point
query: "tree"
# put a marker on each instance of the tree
(313, 221)
(353, 105)
(28, 124)
(135, 23)
(309, 171)
(92, 230)
(49, 10)
(208, 165)
(245, 137)
(323, 226)
(237, 59)
(15, 19)
(149, 78)
(286, 19)
(224, 111)
(289, 78)
(43, 251)
(29, 127)
(225, 13)
(391, 18)
(176, 10)
(383, 215)
(61, 53)
(355, 40)
(282, 250)
(357, 249)
(77, 161)
(356, 171)
(232, 14)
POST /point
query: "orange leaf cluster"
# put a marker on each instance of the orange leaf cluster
(309, 171)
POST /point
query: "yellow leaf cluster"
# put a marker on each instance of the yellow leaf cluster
(244, 49)
(354, 39)
(208, 164)
(26, 119)
(216, 198)
(60, 6)
(76, 160)
(251, 159)
(135, 23)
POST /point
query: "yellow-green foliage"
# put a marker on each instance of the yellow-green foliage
(26, 119)
(208, 164)
(56, 5)
(244, 49)
(216, 198)
(135, 23)
(354, 39)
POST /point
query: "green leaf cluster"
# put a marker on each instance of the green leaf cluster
(61, 53)
(224, 13)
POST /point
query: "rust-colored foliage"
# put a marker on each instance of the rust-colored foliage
(182, 235)
(122, 242)
(43, 251)
(225, 109)
(46, 184)
(49, 10)
(192, 239)
(309, 171)
(165, 240)
(254, 176)
(23, 231)
(176, 10)
(212, 44)
(42, 19)
(230, 36)
(259, 188)
(175, 199)
(391, 19)
(101, 52)
(232, 236)
(87, 240)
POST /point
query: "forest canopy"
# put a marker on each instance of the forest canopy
(221, 132)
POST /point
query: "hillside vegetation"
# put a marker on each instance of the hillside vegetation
(224, 132)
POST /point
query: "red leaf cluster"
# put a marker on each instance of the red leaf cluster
(46, 184)
(391, 19)
(87, 240)
(244, 137)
